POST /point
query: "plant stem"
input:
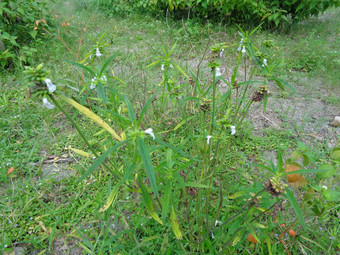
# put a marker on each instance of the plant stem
(81, 134)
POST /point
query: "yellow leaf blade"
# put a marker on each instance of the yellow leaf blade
(94, 117)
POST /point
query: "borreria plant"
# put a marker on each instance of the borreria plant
(176, 169)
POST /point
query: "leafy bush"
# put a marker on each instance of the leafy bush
(19, 22)
(249, 11)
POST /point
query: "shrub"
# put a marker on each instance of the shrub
(18, 26)
(245, 11)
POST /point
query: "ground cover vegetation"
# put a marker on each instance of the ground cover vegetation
(134, 134)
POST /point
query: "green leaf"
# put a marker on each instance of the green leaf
(150, 171)
(82, 67)
(101, 91)
(305, 171)
(179, 69)
(146, 106)
(290, 196)
(131, 111)
(148, 201)
(107, 62)
(282, 82)
(331, 195)
(166, 200)
(100, 160)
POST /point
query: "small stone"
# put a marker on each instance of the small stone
(336, 121)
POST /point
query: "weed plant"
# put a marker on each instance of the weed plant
(172, 169)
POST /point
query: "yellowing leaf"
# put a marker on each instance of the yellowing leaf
(80, 152)
(174, 224)
(295, 180)
(110, 199)
(93, 117)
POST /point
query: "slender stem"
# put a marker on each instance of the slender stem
(82, 135)
(214, 95)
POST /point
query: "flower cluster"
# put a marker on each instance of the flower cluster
(242, 48)
(51, 88)
(95, 81)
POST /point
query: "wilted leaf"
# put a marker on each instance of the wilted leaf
(295, 180)
(10, 170)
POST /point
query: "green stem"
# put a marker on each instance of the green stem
(213, 110)
(81, 134)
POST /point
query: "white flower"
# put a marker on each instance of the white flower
(241, 42)
(208, 139)
(265, 62)
(104, 77)
(98, 54)
(244, 51)
(218, 72)
(93, 83)
(233, 130)
(217, 222)
(212, 235)
(149, 131)
(239, 48)
(325, 187)
(221, 53)
(47, 104)
(51, 87)
(162, 67)
(171, 66)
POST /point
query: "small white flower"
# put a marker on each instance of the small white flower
(212, 235)
(171, 66)
(233, 130)
(104, 77)
(265, 62)
(325, 187)
(47, 104)
(92, 86)
(241, 42)
(217, 222)
(149, 131)
(221, 53)
(239, 48)
(244, 51)
(98, 54)
(218, 72)
(208, 139)
(51, 87)
(162, 67)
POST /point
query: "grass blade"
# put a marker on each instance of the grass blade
(296, 207)
(100, 160)
(150, 171)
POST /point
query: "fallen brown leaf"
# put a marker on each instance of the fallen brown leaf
(295, 180)
(10, 170)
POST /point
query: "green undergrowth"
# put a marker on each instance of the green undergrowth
(115, 208)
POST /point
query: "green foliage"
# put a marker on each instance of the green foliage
(19, 24)
(249, 11)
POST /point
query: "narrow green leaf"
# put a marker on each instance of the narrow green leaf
(107, 62)
(131, 111)
(100, 160)
(296, 207)
(166, 201)
(101, 91)
(146, 106)
(150, 171)
(305, 171)
(82, 67)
